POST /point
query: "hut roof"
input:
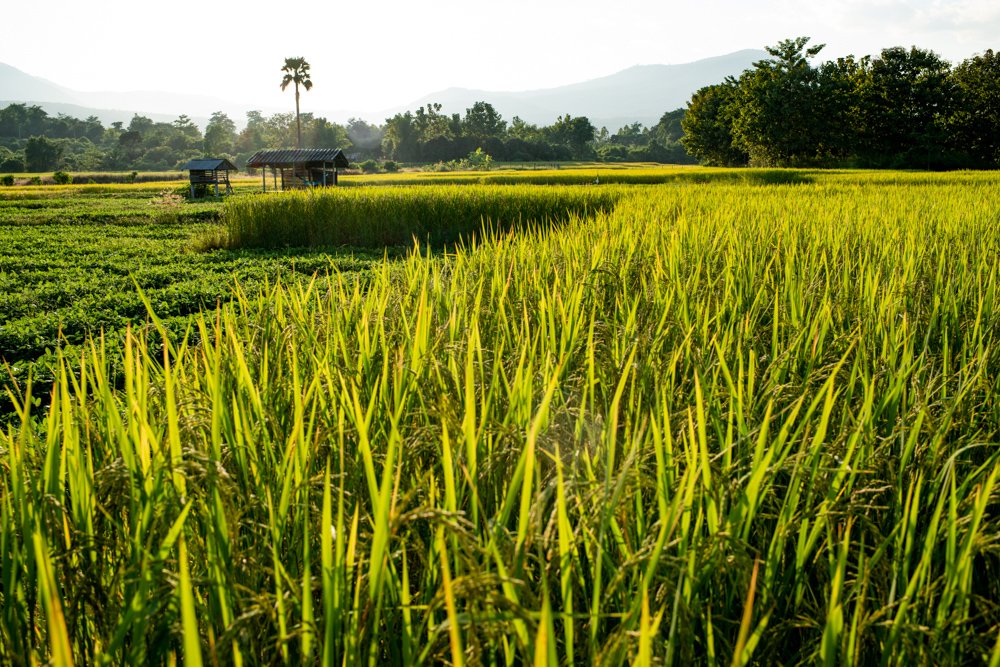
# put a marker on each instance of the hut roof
(209, 164)
(298, 157)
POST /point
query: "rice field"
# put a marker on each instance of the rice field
(727, 422)
(378, 216)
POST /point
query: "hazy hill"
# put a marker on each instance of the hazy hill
(18, 86)
(641, 93)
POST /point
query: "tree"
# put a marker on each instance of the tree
(777, 116)
(577, 134)
(41, 154)
(296, 72)
(430, 123)
(400, 138)
(838, 103)
(708, 126)
(482, 121)
(366, 137)
(323, 133)
(220, 135)
(905, 103)
(21, 120)
(975, 122)
(633, 134)
(669, 129)
(520, 129)
(11, 161)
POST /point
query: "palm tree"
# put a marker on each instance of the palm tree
(296, 71)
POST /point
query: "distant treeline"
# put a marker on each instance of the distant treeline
(33, 141)
(428, 135)
(900, 109)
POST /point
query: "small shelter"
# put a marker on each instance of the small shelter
(300, 168)
(209, 172)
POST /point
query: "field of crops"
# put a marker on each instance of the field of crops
(73, 259)
(732, 417)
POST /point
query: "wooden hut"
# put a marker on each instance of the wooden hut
(209, 172)
(299, 168)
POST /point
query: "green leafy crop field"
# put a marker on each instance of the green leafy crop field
(736, 417)
(73, 260)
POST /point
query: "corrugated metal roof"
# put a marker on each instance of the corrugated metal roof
(208, 164)
(299, 156)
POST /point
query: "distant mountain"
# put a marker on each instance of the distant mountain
(641, 93)
(18, 86)
(638, 94)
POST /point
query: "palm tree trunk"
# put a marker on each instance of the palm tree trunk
(298, 123)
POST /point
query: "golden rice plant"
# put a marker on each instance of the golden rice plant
(718, 423)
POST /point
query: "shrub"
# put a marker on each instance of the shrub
(35, 180)
(390, 167)
(369, 166)
(62, 178)
(7, 179)
(477, 159)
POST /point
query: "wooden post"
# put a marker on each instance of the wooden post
(263, 178)
(274, 174)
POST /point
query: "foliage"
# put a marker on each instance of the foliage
(477, 160)
(777, 112)
(905, 105)
(904, 108)
(365, 138)
(297, 73)
(220, 135)
(86, 146)
(708, 126)
(41, 154)
(975, 124)
(428, 135)
(7, 180)
(718, 423)
(61, 178)
(482, 121)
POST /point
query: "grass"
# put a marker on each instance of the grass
(378, 217)
(717, 423)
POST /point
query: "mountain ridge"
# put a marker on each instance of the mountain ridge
(640, 93)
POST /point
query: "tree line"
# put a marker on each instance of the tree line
(430, 136)
(33, 141)
(905, 108)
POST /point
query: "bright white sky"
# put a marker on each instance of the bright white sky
(374, 55)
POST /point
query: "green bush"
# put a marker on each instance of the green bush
(479, 160)
(7, 179)
(390, 167)
(35, 180)
(369, 166)
(62, 178)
